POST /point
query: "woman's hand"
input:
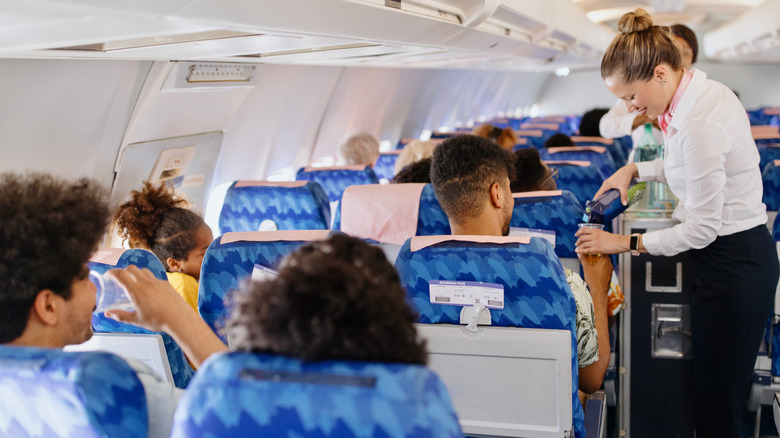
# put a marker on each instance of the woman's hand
(619, 180)
(593, 241)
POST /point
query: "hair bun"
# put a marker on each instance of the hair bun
(636, 21)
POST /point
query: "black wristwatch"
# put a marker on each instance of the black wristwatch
(634, 245)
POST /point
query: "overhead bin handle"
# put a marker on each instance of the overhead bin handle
(473, 17)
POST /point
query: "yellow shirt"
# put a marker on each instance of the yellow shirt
(186, 286)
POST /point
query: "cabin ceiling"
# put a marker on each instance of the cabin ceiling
(474, 34)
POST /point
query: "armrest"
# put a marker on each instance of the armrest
(596, 415)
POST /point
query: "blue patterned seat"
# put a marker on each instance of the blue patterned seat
(298, 205)
(536, 294)
(771, 179)
(602, 160)
(767, 152)
(246, 394)
(384, 168)
(582, 179)
(431, 219)
(109, 258)
(534, 137)
(50, 393)
(335, 179)
(231, 258)
(614, 147)
(559, 211)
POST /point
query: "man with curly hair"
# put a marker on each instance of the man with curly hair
(471, 177)
(48, 230)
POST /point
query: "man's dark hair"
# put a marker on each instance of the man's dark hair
(463, 169)
(689, 36)
(337, 299)
(558, 140)
(589, 125)
(529, 170)
(417, 172)
(48, 229)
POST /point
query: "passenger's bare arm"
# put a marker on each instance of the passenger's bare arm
(597, 277)
(159, 308)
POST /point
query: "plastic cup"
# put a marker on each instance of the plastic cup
(110, 296)
(592, 258)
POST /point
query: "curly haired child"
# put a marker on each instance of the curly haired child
(157, 220)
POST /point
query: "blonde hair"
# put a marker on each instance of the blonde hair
(505, 138)
(359, 148)
(415, 151)
(639, 49)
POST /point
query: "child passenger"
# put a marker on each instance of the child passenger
(157, 220)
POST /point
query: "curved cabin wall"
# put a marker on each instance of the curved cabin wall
(67, 117)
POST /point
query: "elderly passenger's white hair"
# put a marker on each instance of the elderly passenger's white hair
(359, 148)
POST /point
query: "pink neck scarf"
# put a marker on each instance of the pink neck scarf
(666, 118)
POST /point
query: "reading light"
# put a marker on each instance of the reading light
(205, 73)
(562, 71)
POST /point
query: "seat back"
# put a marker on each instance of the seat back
(384, 168)
(768, 152)
(335, 179)
(534, 137)
(536, 294)
(558, 211)
(771, 179)
(109, 258)
(231, 258)
(524, 384)
(50, 393)
(297, 205)
(614, 147)
(597, 155)
(373, 212)
(246, 394)
(581, 178)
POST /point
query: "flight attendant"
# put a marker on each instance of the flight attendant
(711, 165)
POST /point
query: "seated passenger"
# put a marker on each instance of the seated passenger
(505, 138)
(361, 148)
(157, 220)
(532, 174)
(417, 172)
(48, 230)
(589, 124)
(414, 151)
(558, 140)
(471, 177)
(355, 308)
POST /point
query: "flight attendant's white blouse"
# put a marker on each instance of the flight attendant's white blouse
(711, 165)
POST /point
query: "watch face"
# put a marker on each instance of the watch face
(633, 245)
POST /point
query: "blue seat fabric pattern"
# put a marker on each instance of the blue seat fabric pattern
(291, 208)
(603, 162)
(180, 369)
(334, 181)
(557, 213)
(771, 179)
(234, 395)
(581, 181)
(431, 219)
(226, 265)
(536, 294)
(48, 393)
(385, 166)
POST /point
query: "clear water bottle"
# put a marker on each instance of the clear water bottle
(648, 149)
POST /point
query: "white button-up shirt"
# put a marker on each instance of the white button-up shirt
(711, 165)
